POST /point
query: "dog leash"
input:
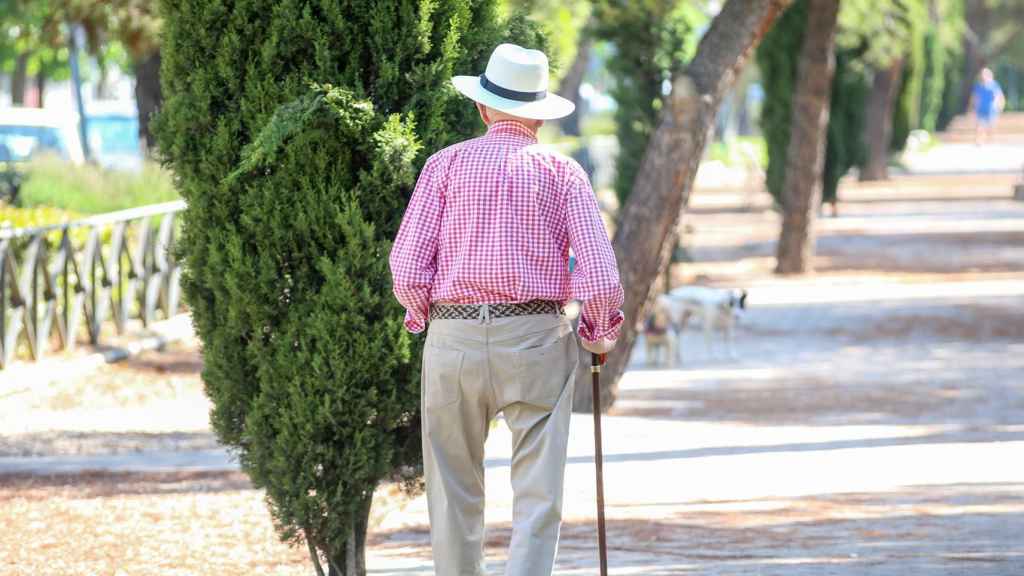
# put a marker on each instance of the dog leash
(596, 360)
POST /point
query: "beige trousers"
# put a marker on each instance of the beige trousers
(472, 369)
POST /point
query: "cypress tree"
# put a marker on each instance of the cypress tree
(952, 97)
(295, 129)
(653, 39)
(936, 57)
(845, 147)
(947, 57)
(777, 58)
(907, 112)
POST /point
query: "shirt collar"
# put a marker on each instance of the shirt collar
(512, 128)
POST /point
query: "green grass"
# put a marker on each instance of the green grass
(598, 125)
(92, 190)
(740, 151)
(550, 135)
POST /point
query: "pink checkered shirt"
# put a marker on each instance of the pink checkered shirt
(492, 220)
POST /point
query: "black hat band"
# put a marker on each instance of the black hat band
(511, 94)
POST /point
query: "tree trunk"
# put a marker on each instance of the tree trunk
(662, 186)
(40, 90)
(351, 559)
(76, 91)
(878, 127)
(148, 97)
(19, 80)
(805, 157)
(102, 89)
(570, 87)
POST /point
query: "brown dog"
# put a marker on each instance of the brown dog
(659, 339)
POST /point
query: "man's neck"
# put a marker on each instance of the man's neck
(530, 125)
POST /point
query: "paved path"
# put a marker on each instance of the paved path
(824, 452)
(149, 461)
(873, 423)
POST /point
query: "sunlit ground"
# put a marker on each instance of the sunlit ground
(871, 424)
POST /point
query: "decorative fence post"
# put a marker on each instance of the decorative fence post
(53, 276)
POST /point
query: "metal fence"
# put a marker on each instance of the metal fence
(104, 271)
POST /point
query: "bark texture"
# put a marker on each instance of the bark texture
(805, 156)
(878, 128)
(662, 187)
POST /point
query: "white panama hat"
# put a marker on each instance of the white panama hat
(516, 82)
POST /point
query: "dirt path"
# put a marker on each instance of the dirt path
(872, 425)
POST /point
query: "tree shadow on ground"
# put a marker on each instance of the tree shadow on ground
(86, 443)
(923, 252)
(105, 484)
(810, 401)
(930, 530)
(952, 437)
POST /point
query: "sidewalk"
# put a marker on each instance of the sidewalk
(872, 425)
(882, 457)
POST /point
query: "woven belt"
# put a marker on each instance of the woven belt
(501, 310)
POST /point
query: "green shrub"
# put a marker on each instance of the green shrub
(295, 129)
(598, 124)
(845, 147)
(653, 39)
(907, 108)
(40, 216)
(934, 83)
(16, 217)
(88, 189)
(741, 151)
(777, 58)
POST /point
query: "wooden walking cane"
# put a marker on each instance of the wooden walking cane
(596, 360)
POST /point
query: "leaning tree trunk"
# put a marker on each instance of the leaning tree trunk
(147, 96)
(805, 157)
(878, 127)
(663, 183)
(570, 86)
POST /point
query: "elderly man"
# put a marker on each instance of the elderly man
(482, 257)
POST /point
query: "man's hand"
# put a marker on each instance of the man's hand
(602, 346)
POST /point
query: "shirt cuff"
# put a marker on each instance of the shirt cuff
(414, 323)
(609, 330)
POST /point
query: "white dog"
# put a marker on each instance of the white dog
(717, 309)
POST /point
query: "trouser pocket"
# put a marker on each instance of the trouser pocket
(543, 371)
(442, 376)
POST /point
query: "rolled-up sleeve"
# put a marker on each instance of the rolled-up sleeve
(413, 257)
(595, 278)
